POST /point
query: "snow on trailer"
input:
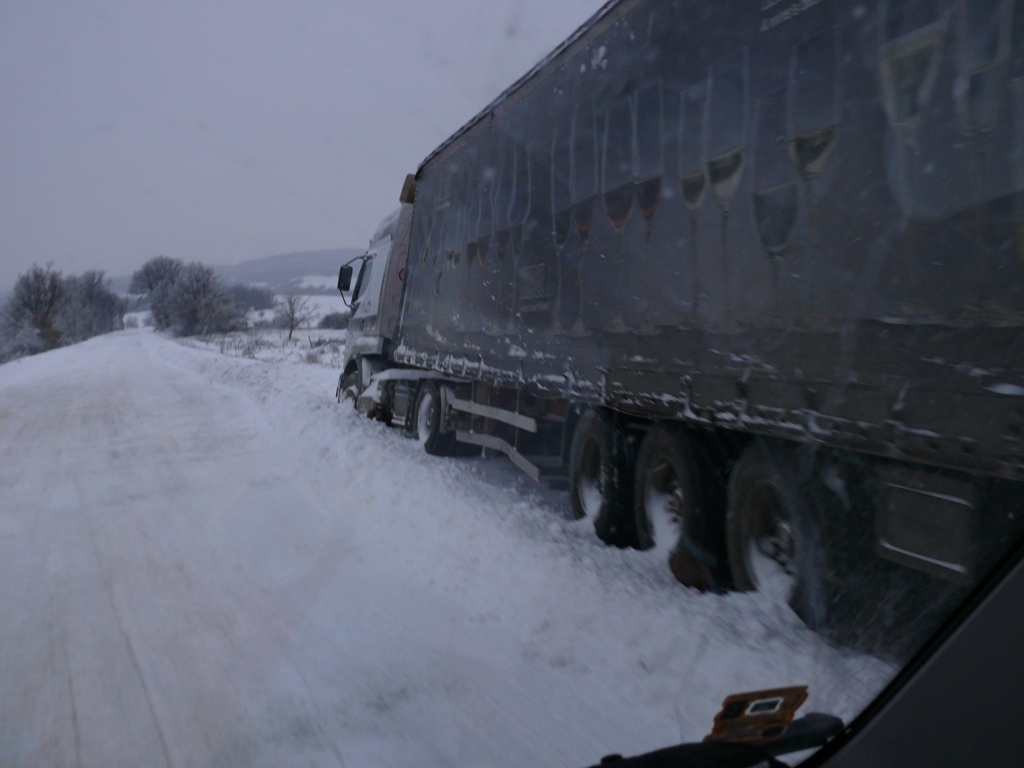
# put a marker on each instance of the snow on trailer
(747, 282)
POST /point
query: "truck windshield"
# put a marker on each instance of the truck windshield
(363, 280)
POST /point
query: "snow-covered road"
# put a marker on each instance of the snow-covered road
(206, 561)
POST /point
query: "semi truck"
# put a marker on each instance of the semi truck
(745, 277)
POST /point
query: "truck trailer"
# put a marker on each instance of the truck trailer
(746, 277)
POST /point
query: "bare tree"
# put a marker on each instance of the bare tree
(198, 303)
(39, 296)
(155, 279)
(186, 299)
(159, 269)
(160, 304)
(293, 311)
(91, 307)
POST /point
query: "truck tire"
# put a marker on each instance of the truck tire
(774, 543)
(601, 470)
(427, 423)
(348, 386)
(670, 505)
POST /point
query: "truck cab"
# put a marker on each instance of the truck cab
(376, 300)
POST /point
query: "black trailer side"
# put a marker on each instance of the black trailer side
(765, 259)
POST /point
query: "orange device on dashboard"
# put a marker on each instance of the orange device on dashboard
(757, 715)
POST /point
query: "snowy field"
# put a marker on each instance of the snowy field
(319, 281)
(324, 347)
(318, 306)
(324, 305)
(207, 561)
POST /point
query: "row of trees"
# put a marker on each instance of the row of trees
(48, 309)
(189, 300)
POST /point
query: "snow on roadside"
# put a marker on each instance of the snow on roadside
(323, 347)
(533, 641)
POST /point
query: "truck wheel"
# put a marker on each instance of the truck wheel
(670, 502)
(348, 386)
(773, 542)
(600, 478)
(427, 421)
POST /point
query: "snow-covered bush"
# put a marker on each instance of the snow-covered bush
(47, 309)
(38, 298)
(199, 305)
(90, 309)
(18, 342)
(154, 280)
(158, 270)
(187, 299)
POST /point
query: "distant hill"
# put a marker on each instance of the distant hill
(309, 272)
(290, 271)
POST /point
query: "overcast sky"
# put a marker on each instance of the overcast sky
(219, 131)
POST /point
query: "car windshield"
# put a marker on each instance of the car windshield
(683, 402)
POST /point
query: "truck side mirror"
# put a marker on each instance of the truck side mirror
(345, 278)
